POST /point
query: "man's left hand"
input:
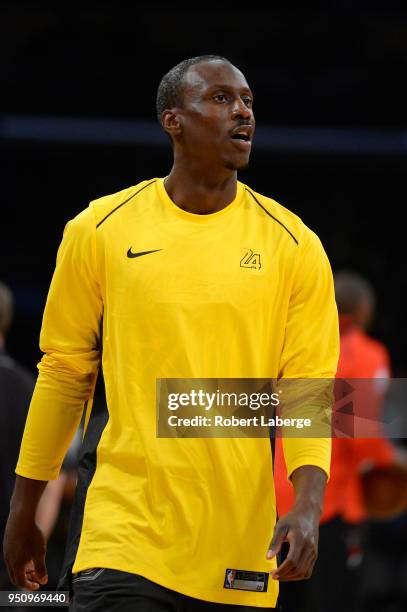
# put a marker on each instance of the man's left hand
(300, 529)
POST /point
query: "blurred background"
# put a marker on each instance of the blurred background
(78, 122)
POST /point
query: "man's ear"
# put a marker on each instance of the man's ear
(171, 122)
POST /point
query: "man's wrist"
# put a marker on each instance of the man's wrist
(23, 513)
(25, 499)
(309, 483)
(312, 507)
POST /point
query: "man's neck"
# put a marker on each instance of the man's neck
(200, 192)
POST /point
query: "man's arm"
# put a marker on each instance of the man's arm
(307, 368)
(299, 527)
(67, 373)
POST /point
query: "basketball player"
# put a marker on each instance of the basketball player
(194, 275)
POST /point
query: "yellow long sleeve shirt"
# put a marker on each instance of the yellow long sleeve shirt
(149, 291)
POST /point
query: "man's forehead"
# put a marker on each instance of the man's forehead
(205, 75)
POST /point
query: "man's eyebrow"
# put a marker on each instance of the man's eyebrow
(229, 87)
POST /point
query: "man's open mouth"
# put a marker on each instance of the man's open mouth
(244, 137)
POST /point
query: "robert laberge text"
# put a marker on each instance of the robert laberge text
(220, 421)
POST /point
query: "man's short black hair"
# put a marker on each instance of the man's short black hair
(170, 90)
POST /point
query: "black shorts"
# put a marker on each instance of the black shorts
(100, 589)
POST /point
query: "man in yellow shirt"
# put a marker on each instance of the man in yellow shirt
(191, 276)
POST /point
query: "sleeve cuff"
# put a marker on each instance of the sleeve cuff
(45, 475)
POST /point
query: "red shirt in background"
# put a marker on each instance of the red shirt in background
(360, 357)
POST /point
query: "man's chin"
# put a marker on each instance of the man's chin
(237, 165)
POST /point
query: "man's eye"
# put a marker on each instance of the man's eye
(220, 97)
(248, 101)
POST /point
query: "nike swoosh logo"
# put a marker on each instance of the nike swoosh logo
(131, 255)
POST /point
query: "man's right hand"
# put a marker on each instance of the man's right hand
(24, 552)
(24, 544)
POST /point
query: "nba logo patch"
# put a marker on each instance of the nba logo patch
(246, 580)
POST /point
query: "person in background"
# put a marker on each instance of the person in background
(16, 388)
(333, 585)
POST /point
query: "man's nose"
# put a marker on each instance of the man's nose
(240, 109)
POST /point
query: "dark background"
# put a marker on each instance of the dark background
(331, 144)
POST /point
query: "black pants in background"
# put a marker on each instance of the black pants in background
(333, 586)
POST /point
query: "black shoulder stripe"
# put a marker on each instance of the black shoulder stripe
(123, 203)
(270, 215)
